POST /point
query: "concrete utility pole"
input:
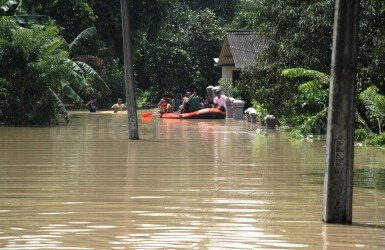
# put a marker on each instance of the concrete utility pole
(338, 183)
(129, 74)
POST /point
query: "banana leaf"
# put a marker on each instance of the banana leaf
(89, 70)
(29, 20)
(6, 5)
(59, 106)
(83, 36)
(70, 93)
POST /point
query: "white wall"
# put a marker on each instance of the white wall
(227, 72)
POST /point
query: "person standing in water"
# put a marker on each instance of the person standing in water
(119, 106)
(92, 105)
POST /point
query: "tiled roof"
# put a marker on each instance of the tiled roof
(240, 48)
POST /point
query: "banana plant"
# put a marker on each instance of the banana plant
(18, 10)
(82, 63)
(7, 5)
(374, 104)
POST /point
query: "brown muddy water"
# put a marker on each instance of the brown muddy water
(203, 184)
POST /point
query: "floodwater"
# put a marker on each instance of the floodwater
(203, 184)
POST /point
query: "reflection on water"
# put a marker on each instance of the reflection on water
(186, 184)
(370, 178)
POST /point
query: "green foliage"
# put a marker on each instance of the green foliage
(363, 134)
(3, 95)
(300, 35)
(224, 10)
(374, 104)
(262, 83)
(85, 35)
(7, 5)
(115, 81)
(308, 126)
(226, 86)
(174, 41)
(58, 107)
(36, 74)
(261, 111)
(309, 110)
(73, 15)
(377, 140)
(244, 17)
(180, 57)
(29, 20)
(142, 98)
(312, 96)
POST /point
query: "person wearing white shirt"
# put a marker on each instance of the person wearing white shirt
(118, 106)
(220, 100)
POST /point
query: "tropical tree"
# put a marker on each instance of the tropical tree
(309, 114)
(73, 16)
(93, 84)
(35, 69)
(179, 58)
(7, 5)
(18, 9)
(374, 106)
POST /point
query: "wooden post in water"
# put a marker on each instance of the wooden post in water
(338, 183)
(129, 74)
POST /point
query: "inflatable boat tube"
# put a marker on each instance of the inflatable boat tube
(209, 113)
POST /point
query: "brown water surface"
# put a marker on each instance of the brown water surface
(203, 184)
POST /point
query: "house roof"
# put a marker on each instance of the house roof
(240, 48)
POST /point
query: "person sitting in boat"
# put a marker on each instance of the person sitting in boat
(193, 103)
(220, 100)
(177, 103)
(164, 105)
(119, 106)
(185, 105)
(208, 102)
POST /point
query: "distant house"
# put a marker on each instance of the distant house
(239, 49)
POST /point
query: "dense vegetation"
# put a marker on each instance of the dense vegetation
(174, 43)
(300, 35)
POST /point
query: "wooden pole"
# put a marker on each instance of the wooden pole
(338, 182)
(129, 74)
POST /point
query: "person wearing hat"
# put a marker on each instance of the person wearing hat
(220, 100)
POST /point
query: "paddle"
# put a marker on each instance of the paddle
(147, 114)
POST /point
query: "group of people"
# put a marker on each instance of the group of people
(92, 105)
(180, 103)
(191, 102)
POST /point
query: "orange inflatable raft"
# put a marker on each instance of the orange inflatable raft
(208, 113)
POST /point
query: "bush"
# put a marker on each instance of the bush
(363, 134)
(261, 111)
(310, 126)
(377, 140)
(36, 74)
(142, 98)
(34, 69)
(227, 87)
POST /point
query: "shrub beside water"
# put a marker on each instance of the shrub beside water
(377, 140)
(362, 134)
